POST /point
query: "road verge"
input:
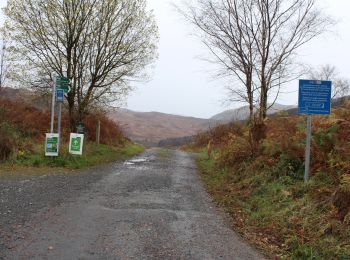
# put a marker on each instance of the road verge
(283, 217)
(93, 155)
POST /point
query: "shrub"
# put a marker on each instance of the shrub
(32, 123)
(345, 183)
(219, 134)
(110, 133)
(270, 148)
(6, 147)
(202, 139)
(234, 151)
(7, 138)
(289, 165)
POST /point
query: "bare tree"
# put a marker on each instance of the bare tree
(227, 29)
(5, 60)
(283, 26)
(340, 86)
(255, 43)
(2, 63)
(100, 45)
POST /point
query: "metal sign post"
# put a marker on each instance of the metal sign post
(59, 100)
(59, 123)
(62, 86)
(308, 148)
(314, 99)
(53, 141)
(53, 106)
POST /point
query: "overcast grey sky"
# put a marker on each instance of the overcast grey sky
(182, 84)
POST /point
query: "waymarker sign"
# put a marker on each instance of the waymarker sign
(62, 83)
(76, 144)
(51, 144)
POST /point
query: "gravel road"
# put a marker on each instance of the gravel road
(150, 207)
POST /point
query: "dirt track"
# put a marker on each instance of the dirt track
(150, 207)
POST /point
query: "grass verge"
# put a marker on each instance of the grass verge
(284, 217)
(93, 154)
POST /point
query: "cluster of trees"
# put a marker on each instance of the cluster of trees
(103, 45)
(100, 45)
(255, 44)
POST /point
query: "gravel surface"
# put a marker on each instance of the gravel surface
(24, 194)
(150, 207)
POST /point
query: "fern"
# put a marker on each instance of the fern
(345, 183)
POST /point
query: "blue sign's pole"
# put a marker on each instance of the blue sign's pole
(59, 124)
(308, 148)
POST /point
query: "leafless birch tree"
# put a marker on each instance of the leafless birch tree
(100, 45)
(227, 29)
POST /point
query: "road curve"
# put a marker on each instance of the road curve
(150, 207)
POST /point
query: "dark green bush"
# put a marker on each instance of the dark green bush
(289, 165)
(5, 147)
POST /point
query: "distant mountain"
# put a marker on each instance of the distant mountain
(14, 94)
(151, 127)
(242, 113)
(26, 96)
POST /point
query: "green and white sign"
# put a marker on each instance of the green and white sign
(51, 145)
(76, 144)
(63, 83)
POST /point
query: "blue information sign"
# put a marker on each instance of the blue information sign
(59, 95)
(315, 97)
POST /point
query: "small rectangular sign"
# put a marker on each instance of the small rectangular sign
(76, 144)
(59, 95)
(315, 97)
(80, 128)
(51, 145)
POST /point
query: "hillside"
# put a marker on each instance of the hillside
(242, 113)
(265, 193)
(26, 96)
(22, 137)
(12, 94)
(151, 127)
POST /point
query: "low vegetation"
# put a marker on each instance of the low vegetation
(265, 193)
(22, 138)
(93, 154)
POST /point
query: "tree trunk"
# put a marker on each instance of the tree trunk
(263, 100)
(72, 120)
